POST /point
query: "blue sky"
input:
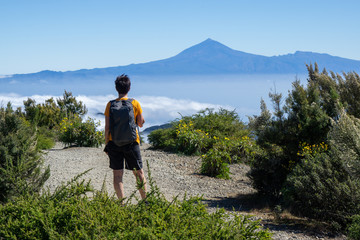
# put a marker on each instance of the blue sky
(69, 35)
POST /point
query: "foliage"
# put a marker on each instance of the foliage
(50, 113)
(354, 229)
(73, 131)
(320, 188)
(20, 162)
(325, 185)
(345, 141)
(349, 90)
(310, 147)
(163, 139)
(215, 163)
(69, 214)
(65, 115)
(70, 106)
(190, 140)
(304, 118)
(268, 171)
(219, 137)
(45, 138)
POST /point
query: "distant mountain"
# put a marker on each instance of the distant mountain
(208, 57)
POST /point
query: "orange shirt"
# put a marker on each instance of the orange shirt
(137, 111)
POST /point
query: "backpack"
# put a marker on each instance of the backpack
(122, 122)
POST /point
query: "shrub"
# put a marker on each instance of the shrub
(354, 229)
(69, 214)
(44, 142)
(190, 140)
(319, 187)
(325, 184)
(198, 133)
(45, 138)
(305, 117)
(268, 171)
(219, 137)
(50, 113)
(215, 164)
(344, 138)
(20, 163)
(163, 139)
(73, 131)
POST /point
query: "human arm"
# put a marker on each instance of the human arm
(107, 129)
(140, 120)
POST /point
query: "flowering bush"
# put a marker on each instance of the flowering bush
(190, 140)
(72, 131)
(219, 137)
(307, 149)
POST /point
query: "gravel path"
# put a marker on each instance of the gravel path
(175, 175)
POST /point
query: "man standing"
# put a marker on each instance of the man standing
(122, 138)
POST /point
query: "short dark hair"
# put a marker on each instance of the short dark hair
(122, 84)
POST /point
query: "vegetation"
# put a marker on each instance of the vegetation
(304, 155)
(219, 138)
(62, 120)
(20, 162)
(80, 133)
(309, 159)
(354, 229)
(69, 213)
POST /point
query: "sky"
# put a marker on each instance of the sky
(83, 34)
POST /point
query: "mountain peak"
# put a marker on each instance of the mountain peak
(211, 42)
(206, 48)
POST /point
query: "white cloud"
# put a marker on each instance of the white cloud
(5, 76)
(156, 110)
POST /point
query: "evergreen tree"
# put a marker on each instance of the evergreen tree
(21, 168)
(70, 106)
(304, 119)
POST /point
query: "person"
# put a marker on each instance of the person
(129, 153)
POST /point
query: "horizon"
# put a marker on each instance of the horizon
(68, 36)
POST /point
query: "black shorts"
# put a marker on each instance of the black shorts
(130, 153)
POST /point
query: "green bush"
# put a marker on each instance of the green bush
(198, 133)
(45, 138)
(325, 185)
(69, 214)
(21, 169)
(216, 164)
(319, 187)
(45, 142)
(163, 139)
(305, 117)
(354, 229)
(219, 137)
(50, 113)
(268, 171)
(73, 131)
(344, 138)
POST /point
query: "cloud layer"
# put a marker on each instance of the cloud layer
(156, 110)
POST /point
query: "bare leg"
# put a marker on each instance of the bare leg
(118, 183)
(140, 177)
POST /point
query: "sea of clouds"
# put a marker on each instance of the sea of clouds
(157, 110)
